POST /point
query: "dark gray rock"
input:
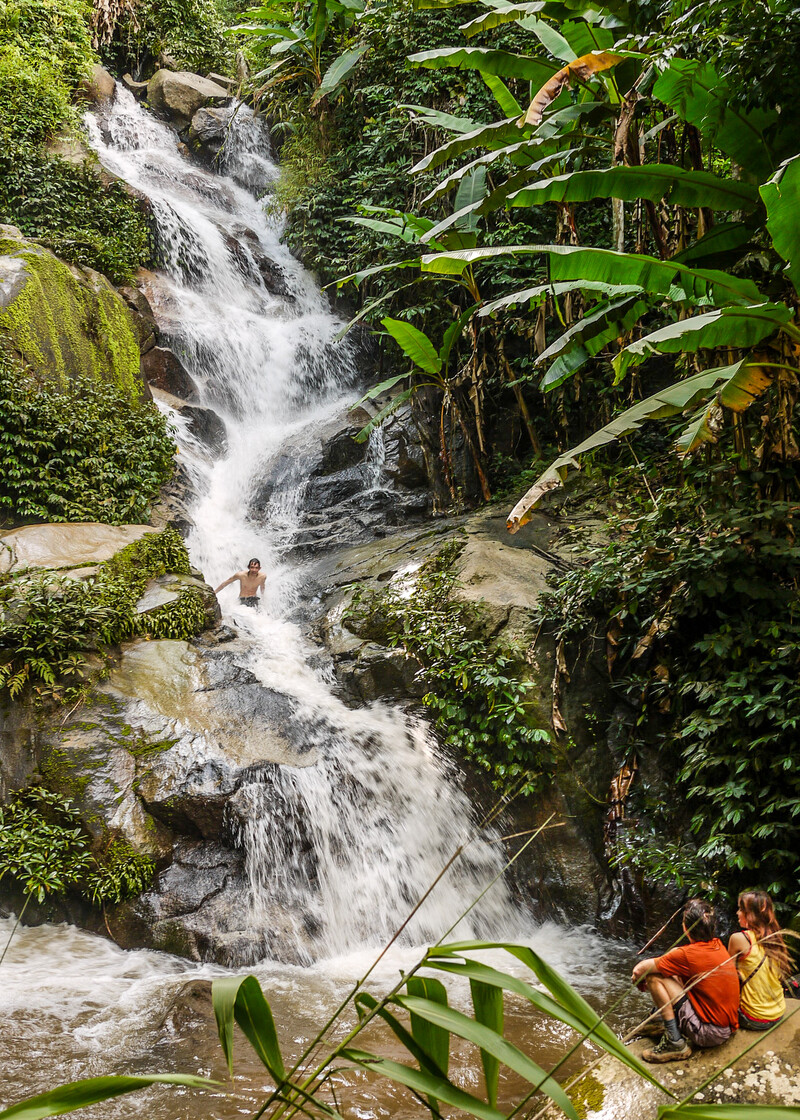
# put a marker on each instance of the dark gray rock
(207, 132)
(164, 370)
(207, 426)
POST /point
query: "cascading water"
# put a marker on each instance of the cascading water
(338, 851)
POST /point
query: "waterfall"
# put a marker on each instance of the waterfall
(337, 851)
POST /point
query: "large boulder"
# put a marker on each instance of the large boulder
(64, 545)
(62, 321)
(98, 88)
(178, 95)
(207, 132)
(164, 370)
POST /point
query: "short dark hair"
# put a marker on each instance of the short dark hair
(255, 560)
(700, 919)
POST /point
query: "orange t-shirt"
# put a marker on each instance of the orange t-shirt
(716, 998)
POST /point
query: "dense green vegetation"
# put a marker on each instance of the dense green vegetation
(45, 53)
(49, 623)
(476, 690)
(82, 451)
(572, 222)
(190, 32)
(45, 851)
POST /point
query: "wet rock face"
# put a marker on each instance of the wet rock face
(164, 370)
(178, 95)
(207, 133)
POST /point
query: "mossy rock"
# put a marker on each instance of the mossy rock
(63, 322)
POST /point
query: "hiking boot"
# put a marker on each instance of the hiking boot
(668, 1051)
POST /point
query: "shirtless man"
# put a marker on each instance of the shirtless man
(250, 583)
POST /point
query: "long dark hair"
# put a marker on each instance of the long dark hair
(759, 914)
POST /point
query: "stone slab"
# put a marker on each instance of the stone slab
(71, 545)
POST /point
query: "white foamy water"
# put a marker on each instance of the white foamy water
(340, 849)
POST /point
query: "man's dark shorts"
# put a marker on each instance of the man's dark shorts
(696, 1030)
(249, 601)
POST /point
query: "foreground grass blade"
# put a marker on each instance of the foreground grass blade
(464, 1027)
(434, 1039)
(425, 1084)
(79, 1094)
(567, 1006)
(487, 1002)
(240, 998)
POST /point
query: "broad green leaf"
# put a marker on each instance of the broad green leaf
(539, 293)
(695, 91)
(336, 73)
(442, 120)
(494, 1044)
(500, 14)
(431, 1037)
(721, 239)
(453, 332)
(508, 103)
(584, 37)
(470, 194)
(582, 263)
(503, 63)
(551, 39)
(666, 402)
(487, 1003)
(376, 390)
(740, 327)
(423, 1083)
(746, 381)
(416, 345)
(79, 1094)
(495, 135)
(567, 1006)
(384, 413)
(498, 196)
(583, 341)
(397, 1028)
(781, 197)
(651, 181)
(240, 998)
(373, 270)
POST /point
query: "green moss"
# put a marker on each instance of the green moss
(146, 747)
(61, 327)
(587, 1096)
(62, 773)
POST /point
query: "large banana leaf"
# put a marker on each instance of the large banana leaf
(340, 69)
(495, 135)
(739, 327)
(438, 119)
(652, 181)
(591, 334)
(713, 246)
(469, 196)
(455, 1022)
(79, 1094)
(523, 146)
(581, 69)
(748, 381)
(503, 63)
(539, 293)
(500, 14)
(666, 402)
(582, 263)
(240, 998)
(696, 91)
(781, 197)
(509, 106)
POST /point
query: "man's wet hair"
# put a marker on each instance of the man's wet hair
(700, 919)
(255, 560)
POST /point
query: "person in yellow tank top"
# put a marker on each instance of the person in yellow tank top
(761, 960)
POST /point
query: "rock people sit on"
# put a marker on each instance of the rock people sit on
(695, 988)
(762, 961)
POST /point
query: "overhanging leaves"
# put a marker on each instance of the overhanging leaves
(581, 69)
(92, 1090)
(745, 382)
(503, 63)
(781, 197)
(337, 72)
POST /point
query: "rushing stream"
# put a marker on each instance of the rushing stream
(341, 846)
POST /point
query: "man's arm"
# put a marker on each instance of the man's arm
(642, 968)
(236, 575)
(262, 582)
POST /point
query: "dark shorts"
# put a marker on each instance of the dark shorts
(748, 1024)
(250, 601)
(697, 1030)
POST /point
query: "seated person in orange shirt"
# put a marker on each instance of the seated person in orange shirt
(694, 986)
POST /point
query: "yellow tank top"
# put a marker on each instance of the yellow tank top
(762, 997)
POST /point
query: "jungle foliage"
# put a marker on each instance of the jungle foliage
(83, 451)
(45, 53)
(46, 851)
